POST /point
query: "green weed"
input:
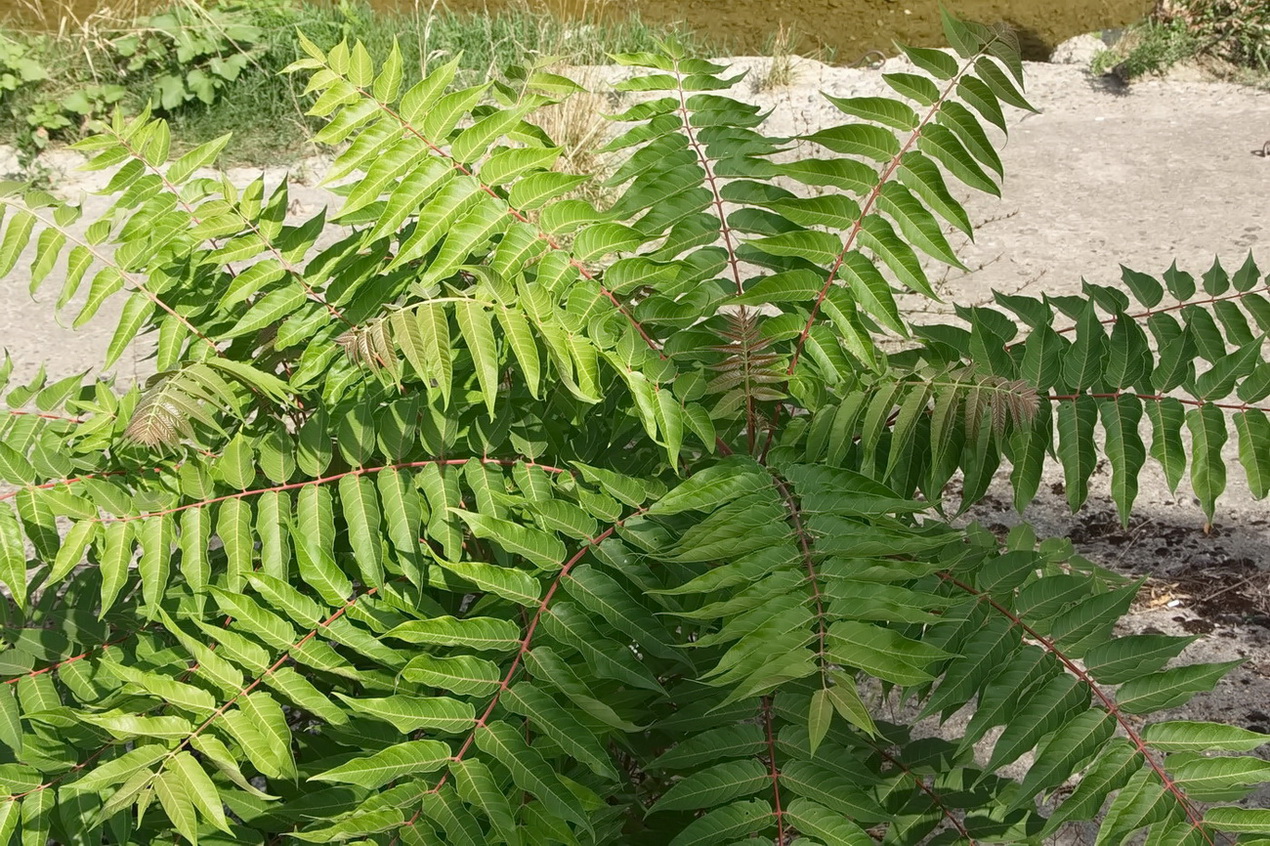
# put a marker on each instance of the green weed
(216, 69)
(1145, 49)
(1230, 38)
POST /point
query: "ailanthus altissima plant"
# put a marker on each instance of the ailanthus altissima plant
(504, 519)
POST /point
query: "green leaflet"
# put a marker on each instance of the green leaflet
(1207, 426)
(1084, 364)
(115, 556)
(565, 518)
(1120, 420)
(15, 467)
(509, 583)
(871, 291)
(1253, 429)
(461, 674)
(540, 548)
(477, 330)
(569, 626)
(936, 62)
(12, 555)
(1125, 658)
(1215, 777)
(314, 545)
(1145, 288)
(713, 785)
(739, 741)
(712, 487)
(424, 337)
(136, 311)
(477, 786)
(915, 87)
(922, 176)
(1167, 416)
(881, 652)
(411, 713)
(1044, 710)
(371, 771)
(943, 145)
(260, 726)
(879, 236)
(360, 505)
(981, 657)
(1183, 735)
(1113, 770)
(845, 697)
(880, 109)
(608, 599)
(198, 788)
(858, 139)
(1167, 688)
(917, 224)
(529, 771)
(819, 247)
(560, 725)
(830, 827)
(1239, 820)
(1090, 623)
(38, 521)
(480, 633)
(1067, 749)
(357, 825)
(233, 527)
(722, 824)
(1076, 420)
(16, 236)
(549, 666)
(444, 808)
(156, 538)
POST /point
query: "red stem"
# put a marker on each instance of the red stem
(523, 650)
(865, 208)
(929, 791)
(43, 416)
(139, 286)
(176, 192)
(724, 228)
(101, 647)
(71, 481)
(1238, 295)
(795, 517)
(322, 480)
(1193, 816)
(751, 419)
(518, 215)
(773, 772)
(1198, 403)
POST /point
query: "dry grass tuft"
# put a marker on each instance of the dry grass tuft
(578, 126)
(88, 21)
(781, 72)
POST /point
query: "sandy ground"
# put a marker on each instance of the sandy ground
(1101, 175)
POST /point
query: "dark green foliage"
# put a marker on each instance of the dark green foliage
(501, 519)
